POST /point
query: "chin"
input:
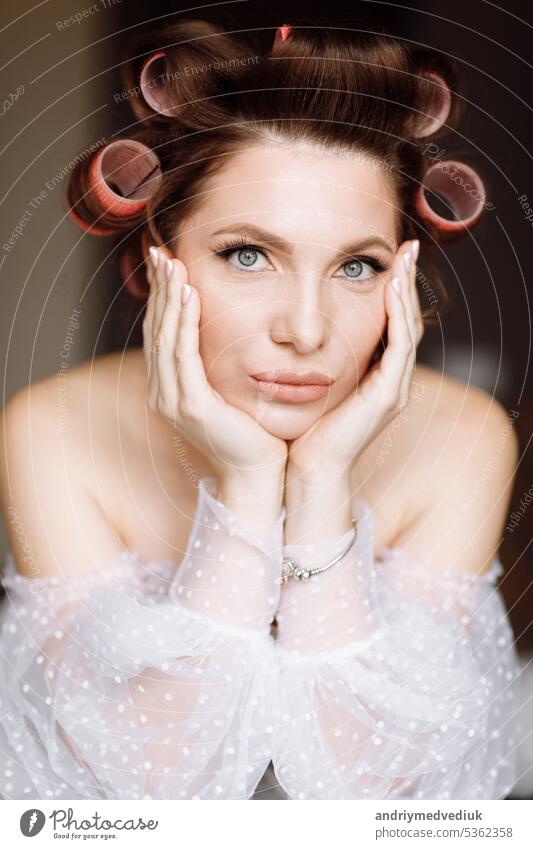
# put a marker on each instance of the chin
(285, 421)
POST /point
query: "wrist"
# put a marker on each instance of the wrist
(317, 510)
(256, 500)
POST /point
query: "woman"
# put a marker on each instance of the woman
(190, 609)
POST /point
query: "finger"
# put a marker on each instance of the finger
(192, 378)
(410, 296)
(397, 351)
(407, 282)
(148, 340)
(168, 329)
(162, 273)
(415, 302)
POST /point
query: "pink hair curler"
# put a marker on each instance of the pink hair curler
(462, 191)
(282, 34)
(121, 177)
(154, 94)
(438, 108)
(89, 228)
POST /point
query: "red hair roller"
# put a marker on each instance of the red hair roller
(89, 228)
(462, 191)
(121, 177)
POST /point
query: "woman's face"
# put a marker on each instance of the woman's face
(309, 239)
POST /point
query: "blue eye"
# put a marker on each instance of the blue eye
(248, 255)
(356, 267)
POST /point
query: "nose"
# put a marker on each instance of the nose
(301, 318)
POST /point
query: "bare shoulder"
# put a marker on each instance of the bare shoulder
(50, 430)
(448, 414)
(463, 445)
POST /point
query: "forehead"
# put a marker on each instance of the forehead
(302, 191)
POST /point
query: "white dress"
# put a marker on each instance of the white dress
(382, 678)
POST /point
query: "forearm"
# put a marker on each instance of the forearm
(232, 564)
(257, 501)
(397, 678)
(329, 610)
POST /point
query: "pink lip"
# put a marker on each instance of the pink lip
(283, 376)
(293, 393)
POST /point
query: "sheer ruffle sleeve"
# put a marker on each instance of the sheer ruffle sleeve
(397, 680)
(143, 680)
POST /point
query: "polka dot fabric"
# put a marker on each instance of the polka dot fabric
(380, 678)
(396, 681)
(144, 681)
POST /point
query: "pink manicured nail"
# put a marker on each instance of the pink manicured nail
(185, 292)
(395, 283)
(407, 259)
(168, 267)
(414, 249)
(153, 256)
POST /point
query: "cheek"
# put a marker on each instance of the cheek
(363, 337)
(223, 331)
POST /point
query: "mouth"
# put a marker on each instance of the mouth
(314, 378)
(291, 387)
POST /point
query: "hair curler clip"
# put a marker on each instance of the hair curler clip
(282, 34)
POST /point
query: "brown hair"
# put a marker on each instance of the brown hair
(201, 95)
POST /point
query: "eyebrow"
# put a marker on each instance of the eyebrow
(261, 235)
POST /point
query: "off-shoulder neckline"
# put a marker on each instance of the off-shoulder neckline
(118, 563)
(383, 554)
(388, 553)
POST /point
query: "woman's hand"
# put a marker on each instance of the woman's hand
(330, 448)
(178, 388)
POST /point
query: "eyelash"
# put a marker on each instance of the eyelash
(224, 250)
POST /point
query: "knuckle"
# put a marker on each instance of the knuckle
(161, 404)
(160, 341)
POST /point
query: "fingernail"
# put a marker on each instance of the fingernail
(168, 267)
(414, 249)
(395, 283)
(407, 259)
(154, 256)
(185, 292)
